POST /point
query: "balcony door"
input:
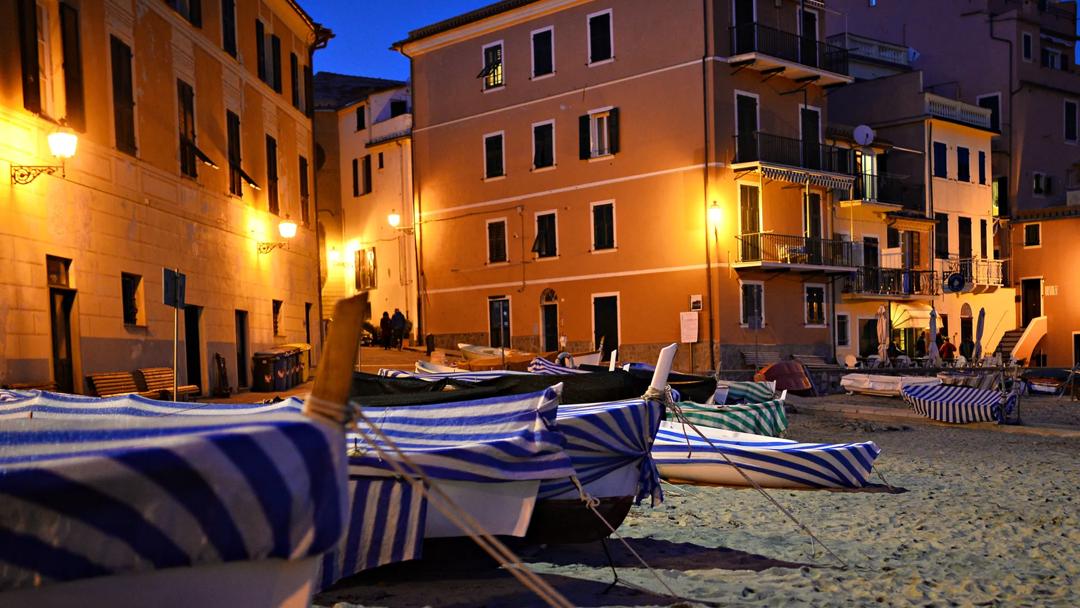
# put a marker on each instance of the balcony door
(1030, 300)
(812, 228)
(810, 131)
(746, 126)
(606, 323)
(808, 43)
(749, 223)
(871, 264)
(744, 26)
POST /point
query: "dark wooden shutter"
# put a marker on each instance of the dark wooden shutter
(600, 38)
(309, 92)
(28, 50)
(304, 199)
(275, 50)
(367, 174)
(73, 73)
(260, 49)
(228, 26)
(294, 79)
(186, 100)
(355, 177)
(233, 127)
(583, 137)
(542, 53)
(272, 175)
(123, 96)
(613, 130)
(195, 16)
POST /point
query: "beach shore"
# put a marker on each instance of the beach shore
(984, 518)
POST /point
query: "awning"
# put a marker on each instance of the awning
(795, 176)
(203, 158)
(247, 178)
(911, 317)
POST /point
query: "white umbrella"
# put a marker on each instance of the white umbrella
(978, 336)
(931, 346)
(882, 334)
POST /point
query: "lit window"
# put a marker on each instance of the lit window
(366, 270)
(493, 66)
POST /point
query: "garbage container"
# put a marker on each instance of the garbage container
(281, 371)
(262, 380)
(295, 371)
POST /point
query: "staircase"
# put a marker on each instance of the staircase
(1007, 342)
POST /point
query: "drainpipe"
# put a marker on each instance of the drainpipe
(713, 320)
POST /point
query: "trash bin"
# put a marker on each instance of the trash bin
(262, 380)
(281, 371)
(295, 371)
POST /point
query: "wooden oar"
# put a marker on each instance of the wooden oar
(331, 391)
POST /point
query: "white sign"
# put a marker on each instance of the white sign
(688, 327)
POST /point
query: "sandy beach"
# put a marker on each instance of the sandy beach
(985, 518)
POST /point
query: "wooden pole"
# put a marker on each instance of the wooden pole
(331, 391)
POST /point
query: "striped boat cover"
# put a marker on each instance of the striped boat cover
(816, 465)
(42, 404)
(497, 439)
(766, 418)
(748, 392)
(539, 365)
(112, 495)
(603, 437)
(956, 404)
(464, 376)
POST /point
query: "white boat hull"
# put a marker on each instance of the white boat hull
(503, 508)
(882, 385)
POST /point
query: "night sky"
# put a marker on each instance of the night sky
(365, 29)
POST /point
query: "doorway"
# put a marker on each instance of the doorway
(808, 48)
(1076, 350)
(810, 122)
(193, 345)
(241, 349)
(749, 224)
(744, 26)
(1030, 300)
(868, 338)
(746, 127)
(549, 321)
(606, 323)
(61, 303)
(499, 321)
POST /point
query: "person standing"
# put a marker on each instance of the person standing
(397, 325)
(384, 330)
(948, 350)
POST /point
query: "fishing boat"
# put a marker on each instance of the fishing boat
(765, 418)
(882, 385)
(683, 456)
(788, 375)
(540, 365)
(474, 351)
(957, 404)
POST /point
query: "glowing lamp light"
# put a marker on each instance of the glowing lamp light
(334, 256)
(287, 228)
(394, 219)
(62, 142)
(715, 214)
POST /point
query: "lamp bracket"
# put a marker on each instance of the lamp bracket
(24, 174)
(268, 247)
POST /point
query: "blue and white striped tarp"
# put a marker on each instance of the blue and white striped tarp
(539, 365)
(464, 376)
(504, 438)
(956, 404)
(773, 462)
(104, 495)
(42, 404)
(603, 437)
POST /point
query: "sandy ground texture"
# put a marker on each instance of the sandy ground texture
(986, 519)
(1034, 409)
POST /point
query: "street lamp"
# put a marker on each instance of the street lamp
(286, 229)
(62, 144)
(716, 214)
(394, 219)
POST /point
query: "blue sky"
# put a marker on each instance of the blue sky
(365, 29)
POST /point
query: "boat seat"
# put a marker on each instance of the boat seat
(110, 384)
(159, 381)
(760, 358)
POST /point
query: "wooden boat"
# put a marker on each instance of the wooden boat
(682, 456)
(475, 351)
(882, 385)
(955, 404)
(788, 375)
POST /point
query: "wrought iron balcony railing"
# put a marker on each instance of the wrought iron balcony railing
(897, 282)
(978, 271)
(888, 188)
(797, 250)
(766, 147)
(757, 38)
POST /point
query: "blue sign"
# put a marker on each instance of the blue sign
(175, 284)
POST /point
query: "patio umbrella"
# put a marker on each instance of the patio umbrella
(882, 334)
(931, 347)
(978, 336)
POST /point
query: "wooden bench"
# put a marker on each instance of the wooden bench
(812, 360)
(760, 358)
(44, 385)
(109, 384)
(160, 381)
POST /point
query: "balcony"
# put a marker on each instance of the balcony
(891, 283)
(769, 148)
(870, 48)
(888, 188)
(770, 251)
(390, 129)
(957, 111)
(764, 48)
(979, 272)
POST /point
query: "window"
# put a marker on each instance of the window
(1052, 58)
(941, 160)
(57, 271)
(598, 133)
(271, 175)
(982, 167)
(752, 307)
(294, 79)
(260, 50)
(380, 160)
(493, 66)
(546, 243)
(543, 52)
(228, 26)
(305, 204)
(361, 118)
(982, 239)
(355, 177)
(963, 164)
(601, 47)
(493, 155)
(603, 225)
(186, 102)
(499, 321)
(131, 293)
(366, 185)
(496, 235)
(1041, 184)
(941, 235)
(366, 269)
(1032, 235)
(963, 228)
(235, 172)
(1026, 46)
(814, 295)
(992, 102)
(1000, 193)
(267, 56)
(544, 145)
(892, 237)
(398, 107)
(188, 9)
(123, 96)
(275, 57)
(74, 107)
(1070, 121)
(843, 330)
(278, 305)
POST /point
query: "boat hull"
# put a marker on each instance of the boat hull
(503, 508)
(566, 521)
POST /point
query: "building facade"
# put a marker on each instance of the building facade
(194, 153)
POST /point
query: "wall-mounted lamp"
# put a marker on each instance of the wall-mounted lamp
(287, 230)
(394, 219)
(716, 214)
(62, 144)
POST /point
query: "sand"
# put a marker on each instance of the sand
(986, 519)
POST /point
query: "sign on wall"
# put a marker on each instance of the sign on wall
(688, 327)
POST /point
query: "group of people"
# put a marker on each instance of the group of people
(946, 349)
(392, 330)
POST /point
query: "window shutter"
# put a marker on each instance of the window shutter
(583, 137)
(355, 177)
(73, 74)
(613, 130)
(260, 50)
(28, 50)
(294, 80)
(1048, 185)
(275, 46)
(228, 25)
(309, 99)
(196, 12)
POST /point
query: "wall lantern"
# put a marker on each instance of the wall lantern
(394, 219)
(287, 230)
(62, 143)
(716, 214)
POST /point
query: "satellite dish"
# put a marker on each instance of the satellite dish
(864, 135)
(955, 283)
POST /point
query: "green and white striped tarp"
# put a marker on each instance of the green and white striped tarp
(748, 392)
(766, 418)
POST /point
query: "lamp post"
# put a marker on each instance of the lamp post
(286, 229)
(62, 144)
